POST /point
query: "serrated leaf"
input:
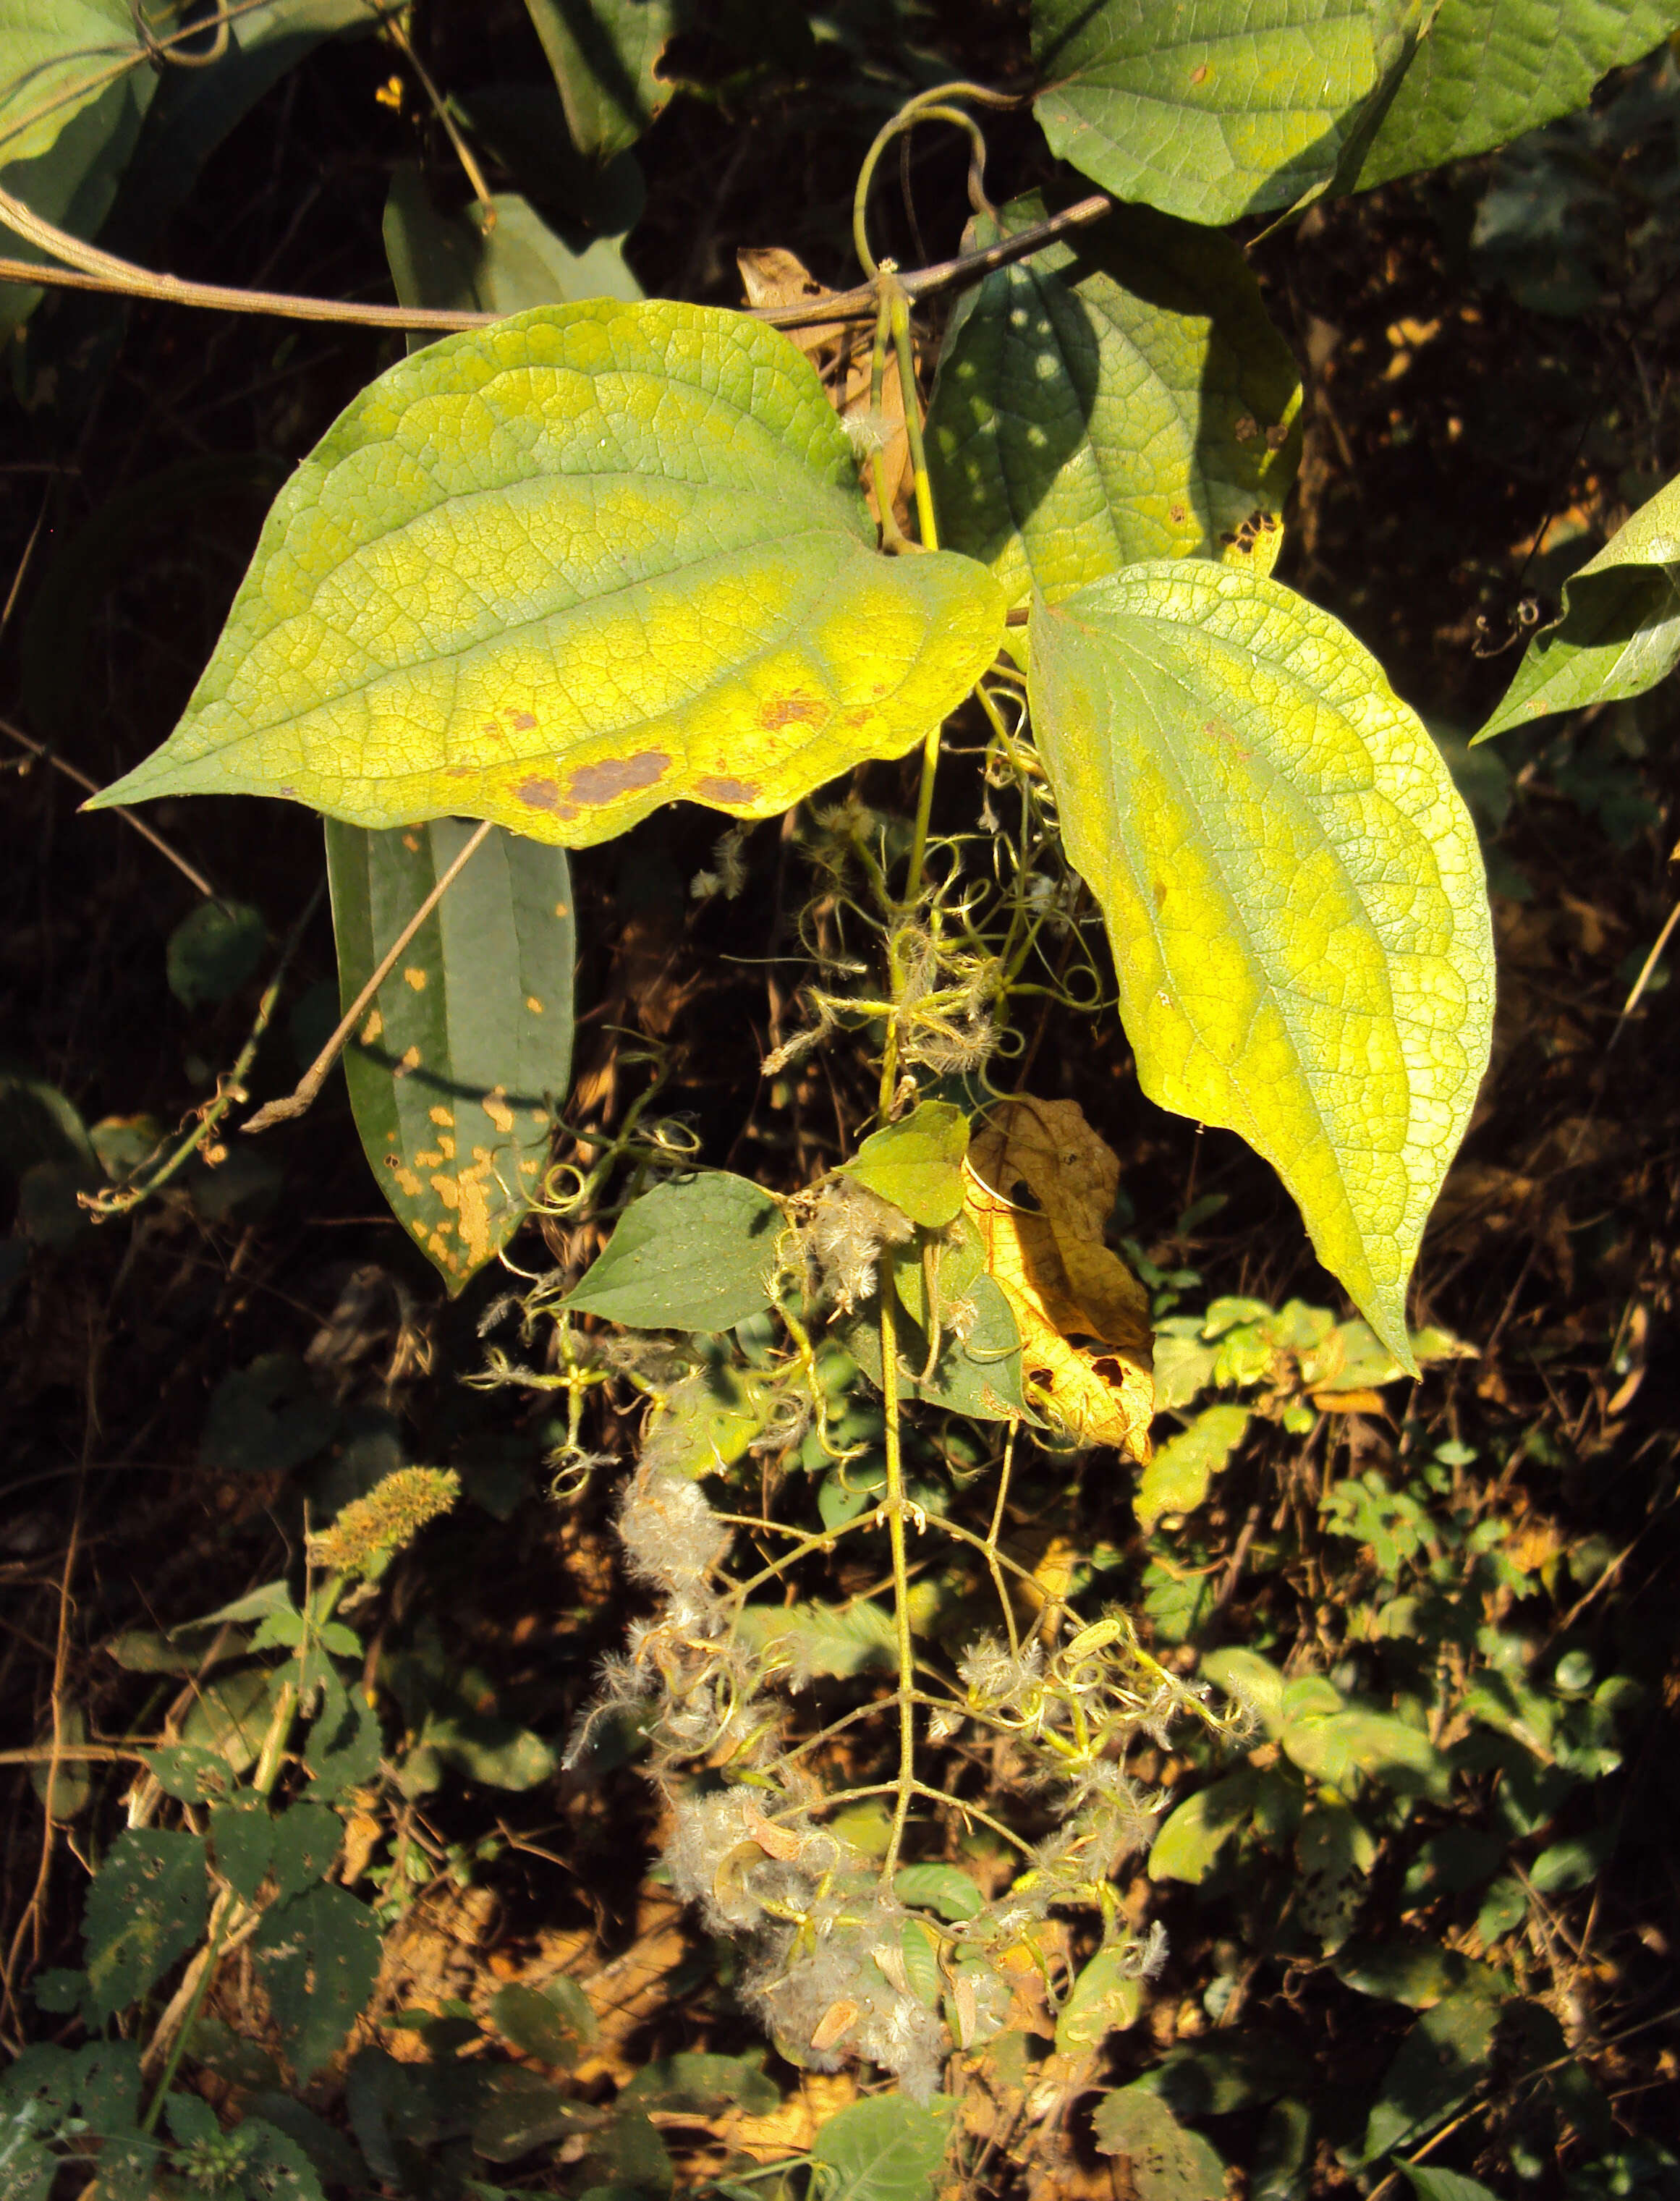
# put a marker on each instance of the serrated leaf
(562, 570)
(1167, 2162)
(189, 1771)
(504, 265)
(307, 1839)
(242, 1844)
(605, 56)
(1488, 70)
(457, 1069)
(1439, 2063)
(917, 1164)
(697, 1254)
(1118, 397)
(317, 1956)
(1205, 109)
(1176, 1480)
(1293, 892)
(1619, 633)
(886, 2149)
(1188, 1846)
(146, 1907)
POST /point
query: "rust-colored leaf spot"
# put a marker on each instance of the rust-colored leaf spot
(543, 794)
(789, 710)
(520, 721)
(616, 776)
(1200, 72)
(1159, 892)
(713, 789)
(1178, 514)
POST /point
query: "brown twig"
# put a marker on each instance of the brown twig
(118, 810)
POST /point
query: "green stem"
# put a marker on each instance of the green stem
(893, 1507)
(930, 105)
(225, 1906)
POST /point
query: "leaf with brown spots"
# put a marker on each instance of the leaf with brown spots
(1083, 1316)
(456, 1073)
(562, 571)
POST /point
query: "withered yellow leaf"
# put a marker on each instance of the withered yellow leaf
(1064, 1284)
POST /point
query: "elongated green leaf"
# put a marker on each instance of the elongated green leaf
(1293, 891)
(1206, 108)
(72, 180)
(456, 1071)
(1488, 70)
(917, 1164)
(886, 2149)
(562, 570)
(1348, 1748)
(317, 1956)
(1620, 630)
(605, 56)
(147, 1906)
(1176, 1480)
(512, 263)
(699, 1253)
(1117, 397)
(1430, 2183)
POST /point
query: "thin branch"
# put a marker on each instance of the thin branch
(118, 810)
(304, 1093)
(88, 268)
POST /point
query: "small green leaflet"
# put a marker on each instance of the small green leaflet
(698, 1253)
(1205, 109)
(456, 1071)
(1121, 395)
(1292, 888)
(1620, 630)
(916, 1164)
(561, 570)
(1488, 70)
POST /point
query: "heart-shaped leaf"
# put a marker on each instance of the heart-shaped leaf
(1293, 892)
(1117, 397)
(1620, 630)
(1206, 108)
(562, 570)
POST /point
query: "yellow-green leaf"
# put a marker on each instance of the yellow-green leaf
(1176, 1480)
(1119, 397)
(560, 571)
(1292, 888)
(917, 1164)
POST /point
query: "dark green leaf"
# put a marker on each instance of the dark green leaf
(1439, 2064)
(521, 2110)
(1419, 1974)
(334, 2159)
(943, 1888)
(498, 1753)
(317, 1956)
(456, 1071)
(551, 2023)
(701, 2085)
(242, 1844)
(1167, 2162)
(265, 1418)
(213, 951)
(1230, 2071)
(146, 1907)
(605, 56)
(978, 1374)
(1117, 397)
(887, 2148)
(227, 1720)
(698, 1253)
(189, 1771)
(307, 1839)
(343, 1751)
(1430, 2183)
